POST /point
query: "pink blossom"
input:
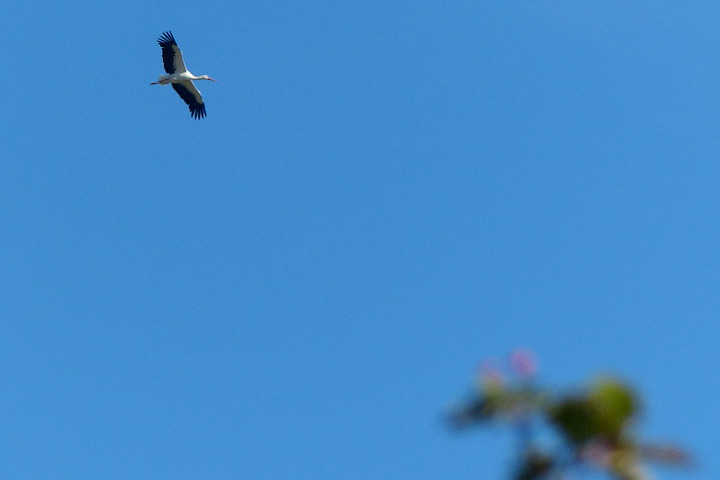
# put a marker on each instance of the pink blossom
(524, 363)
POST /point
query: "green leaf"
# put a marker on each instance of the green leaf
(614, 405)
(575, 418)
(603, 412)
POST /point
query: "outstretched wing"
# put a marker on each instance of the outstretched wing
(171, 54)
(191, 95)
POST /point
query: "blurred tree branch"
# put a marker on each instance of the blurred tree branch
(594, 424)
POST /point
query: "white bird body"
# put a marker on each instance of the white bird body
(179, 76)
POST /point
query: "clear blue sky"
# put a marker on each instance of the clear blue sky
(382, 195)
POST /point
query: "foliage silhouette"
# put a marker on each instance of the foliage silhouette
(594, 424)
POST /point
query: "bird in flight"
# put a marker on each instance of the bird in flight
(179, 76)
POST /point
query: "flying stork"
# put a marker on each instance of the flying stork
(179, 76)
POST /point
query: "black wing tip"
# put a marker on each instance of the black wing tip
(198, 112)
(166, 38)
(197, 108)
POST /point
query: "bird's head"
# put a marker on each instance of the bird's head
(208, 78)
